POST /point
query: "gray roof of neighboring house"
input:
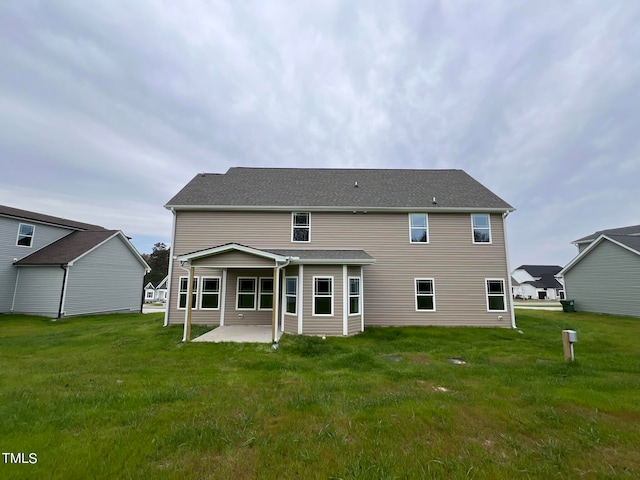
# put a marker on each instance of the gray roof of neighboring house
(547, 281)
(39, 217)
(315, 187)
(631, 230)
(540, 270)
(322, 254)
(67, 249)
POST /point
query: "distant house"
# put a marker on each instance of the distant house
(605, 275)
(57, 267)
(156, 292)
(537, 282)
(331, 251)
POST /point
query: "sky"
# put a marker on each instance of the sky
(108, 108)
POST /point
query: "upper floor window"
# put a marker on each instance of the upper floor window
(419, 227)
(301, 227)
(481, 228)
(25, 235)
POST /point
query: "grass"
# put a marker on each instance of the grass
(120, 397)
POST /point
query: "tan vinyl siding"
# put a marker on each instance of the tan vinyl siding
(606, 280)
(249, 317)
(320, 324)
(234, 259)
(198, 317)
(458, 266)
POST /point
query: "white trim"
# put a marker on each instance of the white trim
(228, 247)
(313, 291)
(65, 280)
(223, 293)
(328, 208)
(433, 294)
(15, 291)
(586, 251)
(293, 214)
(333, 261)
(345, 296)
(170, 272)
(300, 299)
(32, 237)
(506, 253)
(195, 292)
(361, 298)
(359, 295)
(255, 293)
(287, 295)
(273, 296)
(411, 227)
(473, 237)
(202, 292)
(504, 293)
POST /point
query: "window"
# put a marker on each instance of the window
(266, 294)
(301, 227)
(25, 235)
(184, 291)
(210, 296)
(419, 227)
(291, 294)
(246, 295)
(481, 228)
(354, 295)
(323, 296)
(149, 295)
(496, 300)
(425, 294)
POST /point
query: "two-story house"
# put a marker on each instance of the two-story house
(57, 267)
(331, 251)
(538, 282)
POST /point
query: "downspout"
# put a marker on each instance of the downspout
(276, 292)
(62, 292)
(15, 291)
(506, 250)
(167, 301)
(187, 301)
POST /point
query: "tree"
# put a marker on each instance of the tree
(158, 260)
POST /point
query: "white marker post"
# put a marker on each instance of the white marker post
(569, 337)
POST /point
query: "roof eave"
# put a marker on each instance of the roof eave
(326, 208)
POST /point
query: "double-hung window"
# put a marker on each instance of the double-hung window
(301, 227)
(265, 297)
(25, 235)
(425, 294)
(183, 291)
(481, 228)
(354, 295)
(419, 228)
(291, 294)
(210, 294)
(496, 298)
(246, 294)
(323, 296)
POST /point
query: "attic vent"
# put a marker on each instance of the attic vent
(434, 201)
(355, 185)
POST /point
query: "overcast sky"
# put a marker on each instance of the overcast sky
(108, 108)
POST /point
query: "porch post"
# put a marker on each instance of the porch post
(187, 324)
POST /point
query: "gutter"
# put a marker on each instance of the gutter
(188, 301)
(506, 251)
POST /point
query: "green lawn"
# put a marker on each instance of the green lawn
(121, 397)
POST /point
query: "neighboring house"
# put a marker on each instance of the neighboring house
(57, 267)
(330, 251)
(156, 292)
(605, 275)
(538, 282)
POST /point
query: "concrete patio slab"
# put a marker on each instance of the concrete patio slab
(237, 333)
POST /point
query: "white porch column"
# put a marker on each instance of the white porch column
(299, 299)
(223, 295)
(361, 298)
(187, 314)
(345, 301)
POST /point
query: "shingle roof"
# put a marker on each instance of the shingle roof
(546, 281)
(322, 254)
(628, 241)
(540, 270)
(313, 187)
(39, 217)
(67, 248)
(631, 230)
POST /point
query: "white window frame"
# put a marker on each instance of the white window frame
(288, 295)
(293, 227)
(203, 293)
(254, 293)
(416, 294)
(260, 293)
(350, 295)
(196, 286)
(146, 295)
(411, 227)
(331, 296)
(31, 237)
(504, 293)
(473, 229)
